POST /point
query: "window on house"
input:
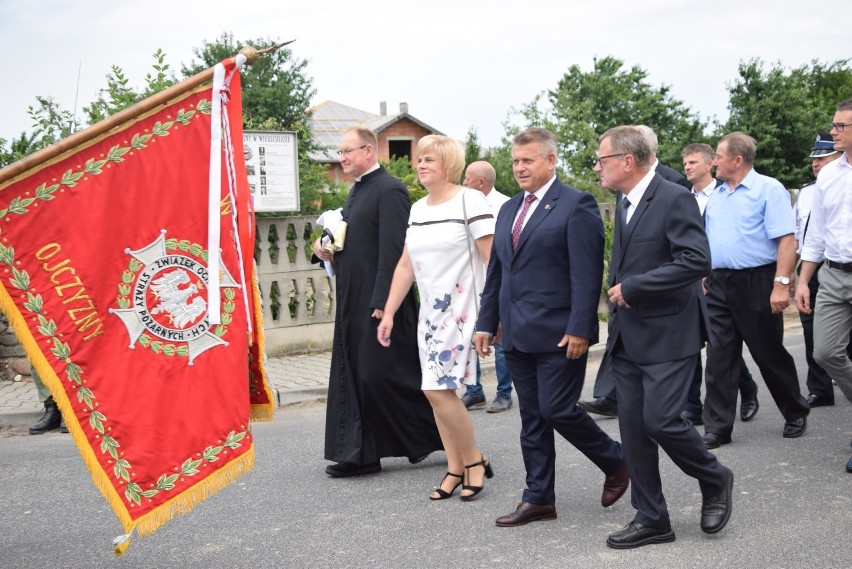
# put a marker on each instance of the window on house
(399, 148)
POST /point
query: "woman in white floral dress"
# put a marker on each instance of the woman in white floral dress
(446, 258)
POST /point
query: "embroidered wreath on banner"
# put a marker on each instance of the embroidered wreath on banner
(97, 420)
(125, 290)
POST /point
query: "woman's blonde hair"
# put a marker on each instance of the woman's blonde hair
(449, 150)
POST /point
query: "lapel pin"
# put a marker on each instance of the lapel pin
(547, 206)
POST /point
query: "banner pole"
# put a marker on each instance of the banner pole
(99, 128)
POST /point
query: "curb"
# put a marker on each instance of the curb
(12, 419)
(295, 397)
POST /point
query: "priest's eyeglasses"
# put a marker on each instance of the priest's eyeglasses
(348, 151)
(840, 126)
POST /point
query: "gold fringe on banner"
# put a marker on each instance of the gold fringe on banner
(262, 411)
(147, 524)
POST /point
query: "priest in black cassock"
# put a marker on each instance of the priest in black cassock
(375, 405)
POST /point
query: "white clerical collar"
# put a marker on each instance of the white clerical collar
(373, 168)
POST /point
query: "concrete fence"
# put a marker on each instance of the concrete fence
(298, 297)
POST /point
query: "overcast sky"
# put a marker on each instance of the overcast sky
(456, 63)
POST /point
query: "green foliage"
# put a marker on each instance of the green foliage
(501, 158)
(119, 94)
(17, 148)
(586, 104)
(783, 109)
(52, 123)
(401, 168)
(472, 148)
(275, 87)
(276, 96)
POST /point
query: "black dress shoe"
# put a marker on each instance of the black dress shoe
(693, 418)
(600, 406)
(712, 440)
(748, 409)
(716, 510)
(849, 465)
(817, 401)
(635, 534)
(615, 485)
(346, 469)
(526, 513)
(797, 428)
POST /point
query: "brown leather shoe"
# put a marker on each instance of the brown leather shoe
(615, 485)
(527, 513)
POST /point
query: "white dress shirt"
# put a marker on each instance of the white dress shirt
(802, 209)
(539, 194)
(830, 228)
(496, 200)
(703, 196)
(635, 195)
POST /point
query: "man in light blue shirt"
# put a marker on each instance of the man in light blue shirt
(750, 226)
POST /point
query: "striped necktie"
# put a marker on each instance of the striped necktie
(519, 224)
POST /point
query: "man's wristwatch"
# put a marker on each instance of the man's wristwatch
(783, 280)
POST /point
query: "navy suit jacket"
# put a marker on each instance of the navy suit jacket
(550, 285)
(660, 258)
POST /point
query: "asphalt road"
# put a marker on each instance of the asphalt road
(792, 505)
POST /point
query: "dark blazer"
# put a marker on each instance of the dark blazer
(659, 259)
(673, 175)
(551, 284)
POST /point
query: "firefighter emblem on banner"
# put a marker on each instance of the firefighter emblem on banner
(161, 299)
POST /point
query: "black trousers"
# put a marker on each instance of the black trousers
(747, 385)
(605, 383)
(650, 398)
(739, 309)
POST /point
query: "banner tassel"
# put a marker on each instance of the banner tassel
(121, 543)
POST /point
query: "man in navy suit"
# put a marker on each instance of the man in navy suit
(542, 287)
(659, 323)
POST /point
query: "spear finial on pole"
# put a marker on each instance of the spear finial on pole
(253, 54)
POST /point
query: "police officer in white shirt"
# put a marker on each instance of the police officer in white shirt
(820, 388)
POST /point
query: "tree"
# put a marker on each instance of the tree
(277, 94)
(472, 148)
(586, 104)
(52, 123)
(783, 109)
(118, 95)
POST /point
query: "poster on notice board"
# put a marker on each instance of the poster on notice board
(272, 165)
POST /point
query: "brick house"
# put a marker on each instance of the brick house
(398, 133)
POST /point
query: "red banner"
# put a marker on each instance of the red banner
(103, 274)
